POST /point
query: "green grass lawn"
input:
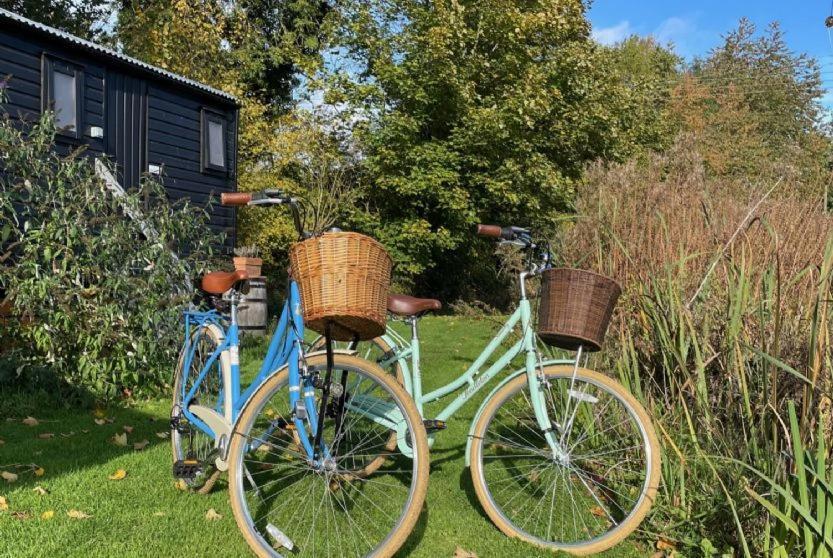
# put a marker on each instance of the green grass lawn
(145, 515)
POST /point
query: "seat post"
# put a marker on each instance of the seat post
(416, 371)
(234, 300)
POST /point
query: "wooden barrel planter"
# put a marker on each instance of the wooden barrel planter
(251, 313)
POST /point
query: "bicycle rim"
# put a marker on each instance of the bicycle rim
(587, 500)
(336, 507)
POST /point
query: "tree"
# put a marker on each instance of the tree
(84, 18)
(290, 38)
(754, 109)
(473, 111)
(259, 47)
(256, 50)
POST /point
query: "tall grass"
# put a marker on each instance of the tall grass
(724, 321)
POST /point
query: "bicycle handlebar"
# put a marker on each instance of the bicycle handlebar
(265, 197)
(539, 253)
(489, 231)
(235, 199)
(507, 234)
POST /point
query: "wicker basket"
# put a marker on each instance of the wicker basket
(575, 308)
(344, 279)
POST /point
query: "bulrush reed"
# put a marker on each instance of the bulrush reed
(724, 323)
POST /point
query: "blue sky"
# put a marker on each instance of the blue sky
(695, 27)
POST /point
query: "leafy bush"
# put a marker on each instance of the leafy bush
(95, 301)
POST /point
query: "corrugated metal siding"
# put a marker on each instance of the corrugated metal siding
(174, 133)
(173, 136)
(10, 18)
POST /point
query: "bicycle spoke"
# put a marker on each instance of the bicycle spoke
(571, 497)
(346, 502)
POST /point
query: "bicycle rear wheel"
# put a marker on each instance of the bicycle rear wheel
(585, 501)
(188, 441)
(331, 506)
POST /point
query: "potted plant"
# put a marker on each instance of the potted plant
(246, 259)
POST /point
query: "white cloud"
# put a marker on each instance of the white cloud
(688, 38)
(614, 34)
(675, 29)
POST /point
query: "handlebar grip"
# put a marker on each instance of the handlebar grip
(490, 231)
(235, 199)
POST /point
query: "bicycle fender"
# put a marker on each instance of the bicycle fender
(506, 380)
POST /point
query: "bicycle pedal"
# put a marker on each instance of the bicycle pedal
(187, 468)
(433, 425)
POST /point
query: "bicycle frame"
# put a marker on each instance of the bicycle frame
(475, 378)
(285, 349)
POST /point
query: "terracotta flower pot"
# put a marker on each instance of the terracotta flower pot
(250, 265)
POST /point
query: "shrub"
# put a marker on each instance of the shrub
(96, 302)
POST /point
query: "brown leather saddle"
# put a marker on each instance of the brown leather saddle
(218, 282)
(405, 306)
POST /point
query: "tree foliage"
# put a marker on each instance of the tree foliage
(84, 18)
(477, 112)
(256, 50)
(754, 108)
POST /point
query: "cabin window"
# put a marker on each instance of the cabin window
(214, 141)
(62, 92)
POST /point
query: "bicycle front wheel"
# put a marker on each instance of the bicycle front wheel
(589, 495)
(331, 505)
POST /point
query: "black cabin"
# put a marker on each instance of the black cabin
(143, 118)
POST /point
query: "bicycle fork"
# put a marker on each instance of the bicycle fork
(538, 386)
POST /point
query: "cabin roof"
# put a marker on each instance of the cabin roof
(111, 55)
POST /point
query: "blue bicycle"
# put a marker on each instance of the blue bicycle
(327, 455)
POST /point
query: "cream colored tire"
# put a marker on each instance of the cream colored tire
(419, 442)
(652, 452)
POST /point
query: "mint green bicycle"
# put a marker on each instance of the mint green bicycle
(560, 456)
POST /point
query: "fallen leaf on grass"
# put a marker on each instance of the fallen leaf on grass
(181, 485)
(460, 552)
(666, 544)
(4, 505)
(119, 439)
(159, 514)
(41, 491)
(127, 428)
(8, 477)
(139, 446)
(2, 441)
(39, 472)
(30, 421)
(22, 515)
(212, 515)
(46, 435)
(161, 434)
(47, 515)
(118, 475)
(68, 434)
(598, 511)
(100, 421)
(77, 514)
(85, 431)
